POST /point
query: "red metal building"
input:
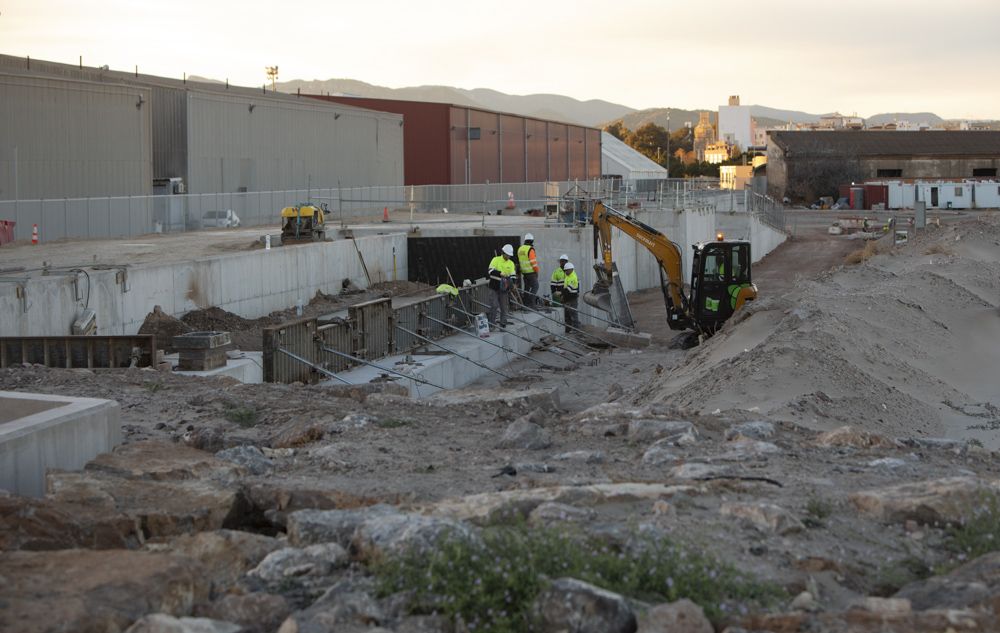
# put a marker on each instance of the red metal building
(445, 144)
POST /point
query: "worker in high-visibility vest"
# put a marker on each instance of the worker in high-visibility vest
(502, 274)
(570, 297)
(527, 266)
(558, 279)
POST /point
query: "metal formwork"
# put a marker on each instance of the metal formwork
(111, 352)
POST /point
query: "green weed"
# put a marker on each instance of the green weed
(491, 584)
(978, 534)
(391, 423)
(243, 416)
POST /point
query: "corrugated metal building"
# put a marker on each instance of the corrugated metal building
(451, 144)
(62, 138)
(806, 165)
(619, 159)
(222, 138)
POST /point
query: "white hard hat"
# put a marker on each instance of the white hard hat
(564, 257)
(508, 250)
(528, 237)
(569, 266)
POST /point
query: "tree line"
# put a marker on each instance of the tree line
(651, 140)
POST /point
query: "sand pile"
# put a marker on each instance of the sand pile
(906, 343)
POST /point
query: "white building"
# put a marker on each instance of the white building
(736, 124)
(618, 159)
(969, 194)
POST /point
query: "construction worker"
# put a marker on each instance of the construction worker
(570, 297)
(527, 265)
(558, 279)
(502, 275)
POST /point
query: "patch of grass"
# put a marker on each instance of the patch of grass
(491, 584)
(243, 416)
(153, 386)
(817, 511)
(391, 423)
(938, 249)
(893, 577)
(979, 533)
(862, 254)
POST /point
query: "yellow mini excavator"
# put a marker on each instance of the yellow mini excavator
(303, 222)
(720, 275)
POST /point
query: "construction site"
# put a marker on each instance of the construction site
(715, 414)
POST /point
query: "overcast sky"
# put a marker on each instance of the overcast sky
(864, 56)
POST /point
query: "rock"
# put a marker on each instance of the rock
(805, 601)
(372, 531)
(696, 470)
(658, 455)
(346, 604)
(354, 421)
(226, 554)
(163, 623)
(766, 517)
(760, 430)
(973, 584)
(88, 590)
(533, 467)
(250, 457)
(41, 524)
(298, 433)
(675, 432)
(255, 612)
(887, 606)
(166, 488)
(936, 501)
(600, 413)
(887, 463)
(424, 624)
(853, 437)
(568, 604)
(745, 449)
(549, 513)
(583, 457)
(522, 434)
(314, 560)
(682, 616)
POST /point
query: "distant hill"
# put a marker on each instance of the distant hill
(548, 106)
(658, 116)
(912, 117)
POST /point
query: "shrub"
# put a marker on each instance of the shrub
(978, 534)
(492, 583)
(244, 416)
(862, 254)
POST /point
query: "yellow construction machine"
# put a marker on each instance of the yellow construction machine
(720, 275)
(304, 222)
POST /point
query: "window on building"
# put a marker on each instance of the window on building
(475, 133)
(958, 192)
(984, 172)
(889, 173)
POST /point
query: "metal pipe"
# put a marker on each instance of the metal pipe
(313, 365)
(451, 351)
(515, 352)
(558, 336)
(391, 371)
(593, 316)
(545, 316)
(524, 338)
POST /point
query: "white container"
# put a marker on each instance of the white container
(267, 242)
(482, 325)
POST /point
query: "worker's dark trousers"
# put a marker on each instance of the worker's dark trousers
(530, 289)
(499, 301)
(571, 317)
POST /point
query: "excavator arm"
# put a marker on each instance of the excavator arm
(667, 254)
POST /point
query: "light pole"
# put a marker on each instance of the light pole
(668, 146)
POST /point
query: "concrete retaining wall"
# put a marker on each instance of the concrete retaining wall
(66, 436)
(251, 284)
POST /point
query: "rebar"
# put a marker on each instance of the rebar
(371, 364)
(451, 351)
(314, 366)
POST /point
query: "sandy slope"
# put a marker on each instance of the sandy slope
(906, 343)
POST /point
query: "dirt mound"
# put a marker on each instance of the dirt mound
(906, 343)
(216, 319)
(164, 327)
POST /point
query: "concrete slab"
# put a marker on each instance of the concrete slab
(56, 432)
(247, 367)
(624, 338)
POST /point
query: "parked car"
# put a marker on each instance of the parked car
(220, 220)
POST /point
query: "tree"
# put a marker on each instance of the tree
(617, 130)
(682, 138)
(651, 141)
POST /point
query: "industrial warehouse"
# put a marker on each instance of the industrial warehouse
(285, 363)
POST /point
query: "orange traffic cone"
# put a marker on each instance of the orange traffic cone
(385, 214)
(34, 234)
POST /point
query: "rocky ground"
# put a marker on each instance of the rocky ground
(653, 491)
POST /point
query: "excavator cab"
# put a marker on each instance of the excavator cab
(720, 282)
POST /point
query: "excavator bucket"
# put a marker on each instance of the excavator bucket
(609, 296)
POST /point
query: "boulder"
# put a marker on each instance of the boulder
(765, 517)
(163, 623)
(163, 461)
(95, 590)
(582, 457)
(760, 430)
(345, 605)
(522, 434)
(41, 524)
(744, 449)
(674, 432)
(307, 527)
(313, 560)
(568, 604)
(936, 501)
(551, 513)
(682, 616)
(657, 455)
(849, 436)
(226, 554)
(255, 612)
(974, 584)
(250, 457)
